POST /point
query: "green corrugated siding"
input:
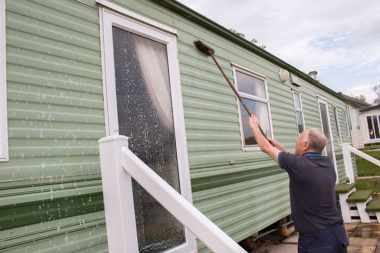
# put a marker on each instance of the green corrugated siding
(50, 190)
(55, 111)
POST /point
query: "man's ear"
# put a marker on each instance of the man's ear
(307, 145)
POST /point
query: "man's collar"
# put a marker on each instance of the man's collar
(312, 154)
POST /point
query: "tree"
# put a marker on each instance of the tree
(376, 89)
(361, 97)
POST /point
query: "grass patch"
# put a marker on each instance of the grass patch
(368, 184)
(366, 168)
(369, 147)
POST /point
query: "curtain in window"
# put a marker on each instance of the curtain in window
(155, 76)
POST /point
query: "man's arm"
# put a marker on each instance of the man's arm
(277, 145)
(264, 144)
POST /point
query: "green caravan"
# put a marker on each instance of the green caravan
(75, 71)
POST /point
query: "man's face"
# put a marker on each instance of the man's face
(301, 145)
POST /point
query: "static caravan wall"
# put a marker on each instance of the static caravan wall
(241, 191)
(51, 187)
(51, 193)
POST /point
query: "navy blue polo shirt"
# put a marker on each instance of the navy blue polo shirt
(312, 191)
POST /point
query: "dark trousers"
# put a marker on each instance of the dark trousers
(327, 240)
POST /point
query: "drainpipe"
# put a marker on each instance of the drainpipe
(285, 229)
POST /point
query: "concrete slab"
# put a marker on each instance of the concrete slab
(356, 241)
(291, 239)
(350, 226)
(282, 248)
(360, 249)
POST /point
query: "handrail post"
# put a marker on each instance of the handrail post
(118, 197)
(348, 162)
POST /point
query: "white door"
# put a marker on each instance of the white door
(325, 122)
(143, 101)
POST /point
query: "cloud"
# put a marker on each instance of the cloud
(366, 90)
(339, 39)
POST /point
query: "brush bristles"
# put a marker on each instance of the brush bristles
(204, 48)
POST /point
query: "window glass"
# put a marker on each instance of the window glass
(300, 124)
(371, 131)
(297, 100)
(349, 117)
(337, 125)
(253, 92)
(299, 112)
(326, 129)
(250, 85)
(376, 126)
(355, 113)
(261, 111)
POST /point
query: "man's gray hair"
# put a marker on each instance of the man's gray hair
(316, 139)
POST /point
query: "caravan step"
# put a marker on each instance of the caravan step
(343, 191)
(344, 188)
(361, 198)
(374, 208)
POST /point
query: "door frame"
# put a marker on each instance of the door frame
(150, 29)
(324, 101)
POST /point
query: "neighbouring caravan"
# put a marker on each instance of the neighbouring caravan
(369, 124)
(354, 106)
(74, 71)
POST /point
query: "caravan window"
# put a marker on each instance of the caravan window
(253, 90)
(299, 111)
(3, 89)
(373, 127)
(355, 113)
(337, 125)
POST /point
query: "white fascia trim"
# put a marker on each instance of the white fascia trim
(4, 156)
(248, 71)
(136, 16)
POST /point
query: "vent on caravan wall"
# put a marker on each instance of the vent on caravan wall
(295, 80)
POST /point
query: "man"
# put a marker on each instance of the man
(312, 190)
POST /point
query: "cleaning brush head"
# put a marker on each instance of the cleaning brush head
(204, 48)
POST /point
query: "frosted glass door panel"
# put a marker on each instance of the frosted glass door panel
(145, 116)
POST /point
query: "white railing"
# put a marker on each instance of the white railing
(118, 166)
(347, 150)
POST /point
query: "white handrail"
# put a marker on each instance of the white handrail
(211, 235)
(112, 148)
(347, 150)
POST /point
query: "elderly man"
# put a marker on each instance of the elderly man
(312, 190)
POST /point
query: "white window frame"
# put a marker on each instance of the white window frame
(324, 101)
(4, 156)
(254, 74)
(150, 29)
(337, 124)
(298, 109)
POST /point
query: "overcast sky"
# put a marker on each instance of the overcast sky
(338, 38)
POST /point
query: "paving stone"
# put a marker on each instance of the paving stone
(283, 248)
(357, 241)
(361, 249)
(291, 239)
(350, 226)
